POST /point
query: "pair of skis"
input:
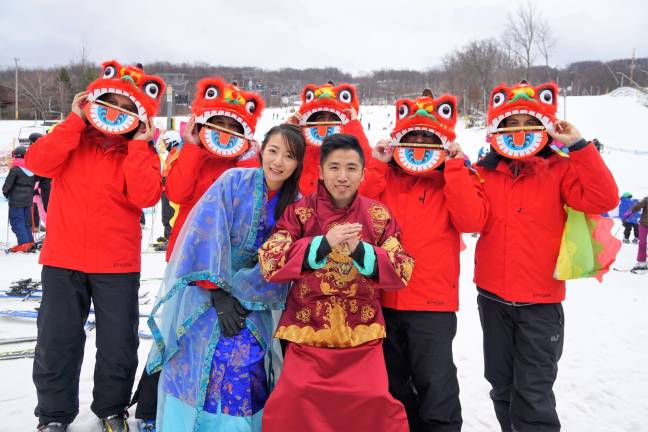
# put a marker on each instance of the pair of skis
(34, 313)
(38, 296)
(17, 354)
(27, 352)
(26, 288)
(632, 270)
(30, 352)
(29, 289)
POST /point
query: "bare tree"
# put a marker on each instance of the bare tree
(469, 72)
(545, 43)
(521, 33)
(473, 70)
(63, 85)
(37, 88)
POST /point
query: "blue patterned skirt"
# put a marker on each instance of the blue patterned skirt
(231, 389)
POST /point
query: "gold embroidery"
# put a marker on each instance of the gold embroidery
(326, 338)
(304, 213)
(336, 332)
(339, 266)
(318, 308)
(379, 217)
(403, 263)
(367, 313)
(391, 244)
(303, 289)
(338, 273)
(341, 253)
(352, 291)
(272, 255)
(326, 289)
(353, 306)
(304, 315)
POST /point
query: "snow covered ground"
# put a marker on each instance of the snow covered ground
(603, 380)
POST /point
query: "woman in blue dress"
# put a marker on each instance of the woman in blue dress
(212, 321)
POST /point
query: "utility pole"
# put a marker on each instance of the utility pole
(632, 65)
(16, 87)
(169, 100)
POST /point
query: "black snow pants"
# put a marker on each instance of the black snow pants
(422, 374)
(61, 339)
(522, 346)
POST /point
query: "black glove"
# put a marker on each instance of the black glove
(231, 315)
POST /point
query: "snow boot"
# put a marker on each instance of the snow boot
(53, 427)
(147, 426)
(115, 423)
(640, 266)
(160, 247)
(25, 247)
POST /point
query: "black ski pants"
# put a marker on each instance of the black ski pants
(422, 374)
(522, 346)
(146, 396)
(167, 215)
(61, 339)
(630, 228)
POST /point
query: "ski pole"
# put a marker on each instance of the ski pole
(617, 230)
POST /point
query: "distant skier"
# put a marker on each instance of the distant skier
(643, 233)
(42, 187)
(18, 188)
(172, 146)
(629, 219)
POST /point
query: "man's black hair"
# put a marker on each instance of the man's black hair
(340, 142)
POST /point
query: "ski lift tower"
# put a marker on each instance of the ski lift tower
(175, 82)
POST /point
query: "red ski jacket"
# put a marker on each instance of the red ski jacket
(517, 251)
(310, 173)
(189, 177)
(431, 211)
(97, 197)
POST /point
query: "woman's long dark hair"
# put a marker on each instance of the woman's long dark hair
(294, 139)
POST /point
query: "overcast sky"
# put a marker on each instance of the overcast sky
(354, 35)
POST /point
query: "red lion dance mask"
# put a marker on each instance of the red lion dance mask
(214, 97)
(427, 114)
(326, 98)
(145, 91)
(521, 142)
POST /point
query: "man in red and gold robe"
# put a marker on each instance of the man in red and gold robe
(339, 249)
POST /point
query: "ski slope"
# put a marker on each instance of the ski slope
(603, 380)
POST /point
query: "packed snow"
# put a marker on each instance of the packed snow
(603, 380)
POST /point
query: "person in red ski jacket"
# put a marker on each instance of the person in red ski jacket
(219, 136)
(528, 181)
(326, 110)
(421, 175)
(103, 174)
